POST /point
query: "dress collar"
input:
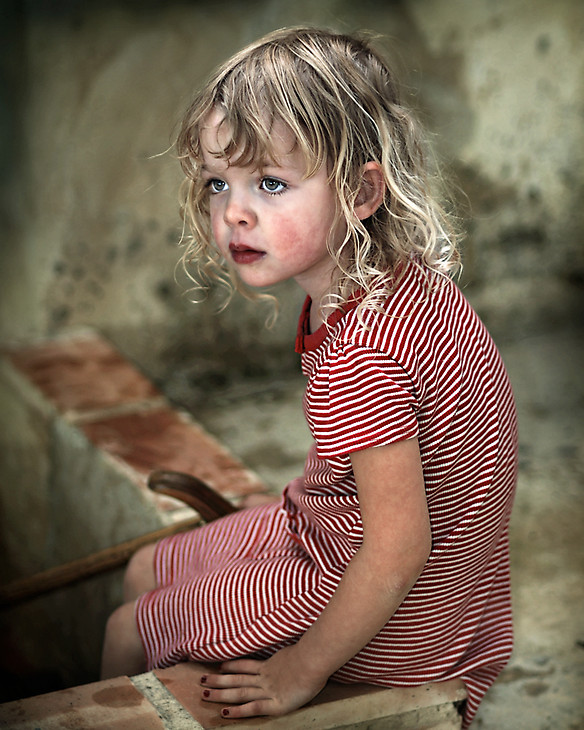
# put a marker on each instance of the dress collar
(307, 340)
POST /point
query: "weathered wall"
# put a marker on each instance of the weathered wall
(94, 92)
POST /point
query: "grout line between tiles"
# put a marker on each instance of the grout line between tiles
(124, 409)
(171, 712)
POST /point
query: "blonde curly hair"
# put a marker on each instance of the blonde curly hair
(342, 104)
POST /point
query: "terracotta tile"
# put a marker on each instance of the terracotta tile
(336, 706)
(107, 705)
(184, 682)
(83, 374)
(164, 439)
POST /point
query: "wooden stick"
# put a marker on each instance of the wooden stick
(69, 573)
(187, 488)
(192, 491)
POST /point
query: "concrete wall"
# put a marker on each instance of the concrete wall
(83, 430)
(95, 89)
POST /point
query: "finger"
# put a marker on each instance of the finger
(220, 681)
(244, 666)
(250, 709)
(234, 695)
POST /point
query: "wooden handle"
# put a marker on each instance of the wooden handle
(70, 573)
(189, 489)
(192, 491)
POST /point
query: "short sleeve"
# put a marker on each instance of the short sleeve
(357, 399)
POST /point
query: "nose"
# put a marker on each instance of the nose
(238, 211)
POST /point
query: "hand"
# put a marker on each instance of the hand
(271, 687)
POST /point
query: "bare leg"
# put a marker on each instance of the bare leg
(123, 653)
(140, 577)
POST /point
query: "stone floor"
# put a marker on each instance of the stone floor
(543, 686)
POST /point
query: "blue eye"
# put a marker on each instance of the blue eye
(217, 186)
(272, 186)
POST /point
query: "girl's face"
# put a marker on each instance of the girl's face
(271, 224)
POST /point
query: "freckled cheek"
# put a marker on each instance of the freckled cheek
(298, 237)
(287, 241)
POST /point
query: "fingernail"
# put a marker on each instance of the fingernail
(203, 679)
(225, 713)
(206, 693)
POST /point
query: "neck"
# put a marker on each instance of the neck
(318, 313)
(316, 318)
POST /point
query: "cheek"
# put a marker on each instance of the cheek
(302, 235)
(217, 224)
(289, 234)
(215, 229)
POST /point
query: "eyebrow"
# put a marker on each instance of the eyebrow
(207, 168)
(263, 165)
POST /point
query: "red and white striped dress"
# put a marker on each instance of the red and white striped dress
(253, 582)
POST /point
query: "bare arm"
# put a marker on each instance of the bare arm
(395, 547)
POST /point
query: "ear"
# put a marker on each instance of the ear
(372, 191)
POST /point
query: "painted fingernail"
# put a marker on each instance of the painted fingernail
(206, 693)
(203, 679)
(225, 713)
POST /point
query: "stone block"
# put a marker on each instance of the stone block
(347, 707)
(114, 704)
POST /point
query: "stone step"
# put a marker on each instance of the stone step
(169, 699)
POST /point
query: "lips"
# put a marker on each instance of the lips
(242, 254)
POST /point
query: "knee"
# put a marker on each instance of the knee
(140, 577)
(121, 625)
(123, 652)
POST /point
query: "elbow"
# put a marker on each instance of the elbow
(416, 571)
(418, 556)
(399, 570)
(423, 550)
(411, 567)
(402, 581)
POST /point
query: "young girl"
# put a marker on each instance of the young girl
(387, 561)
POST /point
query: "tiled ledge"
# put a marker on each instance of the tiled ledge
(119, 410)
(350, 707)
(108, 705)
(169, 699)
